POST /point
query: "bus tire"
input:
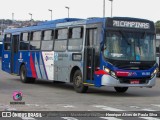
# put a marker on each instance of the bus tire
(121, 89)
(78, 82)
(23, 75)
(58, 82)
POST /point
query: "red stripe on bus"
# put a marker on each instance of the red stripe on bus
(33, 70)
(121, 73)
(100, 72)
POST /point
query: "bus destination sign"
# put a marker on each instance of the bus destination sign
(131, 24)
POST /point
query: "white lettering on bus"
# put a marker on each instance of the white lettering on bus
(131, 24)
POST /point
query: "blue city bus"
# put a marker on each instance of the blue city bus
(117, 52)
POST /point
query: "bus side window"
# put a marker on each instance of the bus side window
(92, 36)
(35, 40)
(7, 42)
(61, 36)
(47, 40)
(24, 41)
(75, 41)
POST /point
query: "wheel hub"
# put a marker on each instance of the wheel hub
(22, 75)
(78, 81)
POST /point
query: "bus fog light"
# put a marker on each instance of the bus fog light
(113, 74)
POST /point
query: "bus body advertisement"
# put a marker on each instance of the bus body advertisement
(117, 52)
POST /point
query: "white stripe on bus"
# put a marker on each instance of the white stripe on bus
(42, 68)
(37, 67)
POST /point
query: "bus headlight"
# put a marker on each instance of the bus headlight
(154, 73)
(110, 72)
(107, 70)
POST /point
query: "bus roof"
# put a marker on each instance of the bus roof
(67, 22)
(55, 24)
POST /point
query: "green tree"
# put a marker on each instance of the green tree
(157, 24)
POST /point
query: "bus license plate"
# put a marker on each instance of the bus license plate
(134, 82)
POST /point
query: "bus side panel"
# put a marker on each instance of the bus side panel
(27, 58)
(6, 55)
(36, 65)
(47, 65)
(63, 65)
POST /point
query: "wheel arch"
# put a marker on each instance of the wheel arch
(73, 71)
(21, 66)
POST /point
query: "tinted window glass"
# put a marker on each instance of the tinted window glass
(60, 45)
(47, 45)
(35, 40)
(24, 45)
(7, 46)
(24, 41)
(7, 42)
(37, 35)
(34, 45)
(62, 33)
(48, 35)
(77, 33)
(75, 44)
(24, 37)
(7, 38)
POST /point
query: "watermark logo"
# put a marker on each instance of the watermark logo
(6, 114)
(17, 95)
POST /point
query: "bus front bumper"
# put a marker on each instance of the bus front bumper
(108, 80)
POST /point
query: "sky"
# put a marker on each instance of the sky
(147, 9)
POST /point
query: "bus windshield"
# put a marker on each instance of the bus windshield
(135, 46)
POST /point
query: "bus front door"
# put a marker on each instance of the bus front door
(14, 54)
(90, 55)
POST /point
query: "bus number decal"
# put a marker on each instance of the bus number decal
(5, 55)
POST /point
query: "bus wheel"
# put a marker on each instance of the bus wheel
(23, 76)
(58, 82)
(78, 82)
(121, 89)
